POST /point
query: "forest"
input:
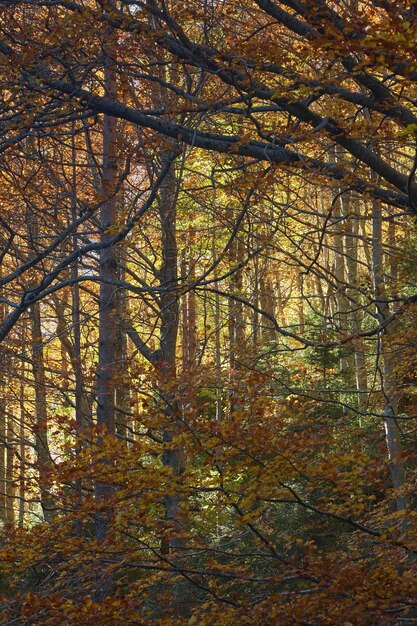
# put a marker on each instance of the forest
(208, 312)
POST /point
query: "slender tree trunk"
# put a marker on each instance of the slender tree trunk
(173, 456)
(393, 258)
(191, 330)
(218, 359)
(255, 313)
(107, 322)
(184, 315)
(22, 447)
(236, 324)
(392, 431)
(192, 322)
(82, 407)
(122, 389)
(340, 210)
(267, 298)
(10, 481)
(301, 319)
(3, 441)
(321, 297)
(44, 459)
(3, 426)
(351, 246)
(218, 347)
(281, 303)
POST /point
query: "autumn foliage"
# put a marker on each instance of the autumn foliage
(208, 312)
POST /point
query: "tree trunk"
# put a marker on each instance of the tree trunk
(22, 447)
(173, 456)
(189, 333)
(267, 299)
(218, 347)
(122, 388)
(388, 382)
(3, 426)
(340, 210)
(3, 440)
(351, 246)
(301, 318)
(10, 482)
(107, 324)
(236, 324)
(44, 459)
(82, 407)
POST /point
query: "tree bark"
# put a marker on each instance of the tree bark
(122, 388)
(22, 447)
(10, 481)
(173, 456)
(236, 324)
(388, 382)
(351, 246)
(44, 459)
(107, 323)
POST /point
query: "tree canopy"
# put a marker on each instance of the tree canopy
(208, 298)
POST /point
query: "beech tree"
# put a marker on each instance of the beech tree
(207, 312)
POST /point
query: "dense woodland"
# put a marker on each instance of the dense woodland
(208, 312)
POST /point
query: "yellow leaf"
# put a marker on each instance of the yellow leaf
(411, 129)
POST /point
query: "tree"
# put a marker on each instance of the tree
(207, 313)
